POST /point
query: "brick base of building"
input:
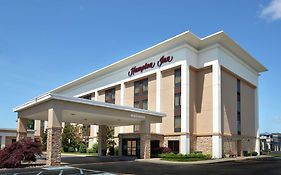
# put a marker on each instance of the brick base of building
(204, 144)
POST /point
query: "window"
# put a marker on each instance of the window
(89, 97)
(177, 100)
(141, 87)
(145, 104)
(177, 124)
(178, 77)
(136, 88)
(145, 86)
(110, 96)
(136, 128)
(141, 94)
(30, 124)
(239, 127)
(238, 107)
(238, 86)
(136, 104)
(174, 145)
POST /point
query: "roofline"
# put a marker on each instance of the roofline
(218, 36)
(53, 96)
(187, 36)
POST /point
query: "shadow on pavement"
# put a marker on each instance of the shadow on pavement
(95, 159)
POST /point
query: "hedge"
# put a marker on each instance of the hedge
(185, 157)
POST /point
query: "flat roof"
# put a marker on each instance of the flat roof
(185, 37)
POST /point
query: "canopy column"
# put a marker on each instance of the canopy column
(145, 138)
(22, 128)
(102, 140)
(54, 130)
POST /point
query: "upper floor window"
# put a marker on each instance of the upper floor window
(177, 100)
(89, 97)
(110, 96)
(238, 107)
(145, 104)
(177, 77)
(141, 87)
(177, 123)
(238, 86)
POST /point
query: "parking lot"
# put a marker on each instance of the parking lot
(248, 167)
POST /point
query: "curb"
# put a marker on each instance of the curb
(213, 161)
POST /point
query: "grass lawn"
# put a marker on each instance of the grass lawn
(275, 154)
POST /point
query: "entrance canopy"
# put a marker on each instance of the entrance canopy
(84, 111)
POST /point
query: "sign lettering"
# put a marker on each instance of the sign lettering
(150, 65)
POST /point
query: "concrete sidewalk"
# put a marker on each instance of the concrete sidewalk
(159, 161)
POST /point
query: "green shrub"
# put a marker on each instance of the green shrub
(95, 148)
(90, 150)
(65, 149)
(71, 149)
(111, 151)
(82, 148)
(253, 154)
(186, 157)
(116, 151)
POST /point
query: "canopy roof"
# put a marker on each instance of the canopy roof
(83, 111)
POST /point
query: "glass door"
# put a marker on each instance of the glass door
(131, 147)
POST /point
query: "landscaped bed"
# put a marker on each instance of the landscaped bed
(186, 157)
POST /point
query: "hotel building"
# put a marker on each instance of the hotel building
(186, 93)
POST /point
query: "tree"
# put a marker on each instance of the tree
(23, 150)
(70, 137)
(44, 140)
(110, 143)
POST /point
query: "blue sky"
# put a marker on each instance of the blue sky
(44, 44)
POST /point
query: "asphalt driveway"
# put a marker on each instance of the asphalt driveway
(247, 167)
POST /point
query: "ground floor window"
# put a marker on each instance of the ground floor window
(174, 145)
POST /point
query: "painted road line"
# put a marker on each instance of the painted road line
(58, 167)
(61, 171)
(81, 171)
(40, 173)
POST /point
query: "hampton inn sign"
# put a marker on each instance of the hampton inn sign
(150, 65)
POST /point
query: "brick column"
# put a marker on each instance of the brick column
(145, 138)
(102, 140)
(22, 128)
(54, 146)
(54, 137)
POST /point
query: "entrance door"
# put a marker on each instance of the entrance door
(154, 147)
(131, 147)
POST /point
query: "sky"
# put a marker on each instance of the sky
(44, 44)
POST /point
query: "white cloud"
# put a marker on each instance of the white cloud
(272, 11)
